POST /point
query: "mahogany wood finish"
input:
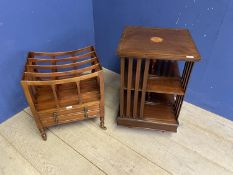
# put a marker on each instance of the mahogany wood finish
(152, 90)
(63, 87)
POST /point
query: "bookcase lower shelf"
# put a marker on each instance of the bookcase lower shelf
(146, 124)
(158, 117)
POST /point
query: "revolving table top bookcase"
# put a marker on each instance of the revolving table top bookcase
(152, 89)
(63, 87)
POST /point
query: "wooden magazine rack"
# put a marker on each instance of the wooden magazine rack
(63, 87)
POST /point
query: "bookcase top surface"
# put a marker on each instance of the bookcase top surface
(158, 43)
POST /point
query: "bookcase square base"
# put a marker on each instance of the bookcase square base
(137, 123)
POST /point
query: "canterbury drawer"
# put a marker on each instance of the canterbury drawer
(59, 116)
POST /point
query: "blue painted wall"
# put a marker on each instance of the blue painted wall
(60, 25)
(39, 25)
(211, 24)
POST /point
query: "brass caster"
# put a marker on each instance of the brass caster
(44, 136)
(102, 124)
(103, 127)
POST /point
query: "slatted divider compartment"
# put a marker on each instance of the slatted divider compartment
(63, 87)
(184, 81)
(164, 90)
(152, 91)
(165, 78)
(131, 83)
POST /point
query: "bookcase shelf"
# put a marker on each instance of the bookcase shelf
(152, 89)
(160, 113)
(169, 85)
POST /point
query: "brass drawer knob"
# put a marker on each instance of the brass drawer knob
(55, 116)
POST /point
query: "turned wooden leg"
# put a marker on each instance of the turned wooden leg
(43, 134)
(101, 83)
(102, 123)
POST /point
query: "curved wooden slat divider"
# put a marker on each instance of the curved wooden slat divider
(30, 67)
(89, 48)
(58, 74)
(63, 81)
(72, 58)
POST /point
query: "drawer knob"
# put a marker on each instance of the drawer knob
(55, 116)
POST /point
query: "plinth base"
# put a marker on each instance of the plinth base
(141, 123)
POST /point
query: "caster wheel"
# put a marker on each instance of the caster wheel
(103, 127)
(44, 136)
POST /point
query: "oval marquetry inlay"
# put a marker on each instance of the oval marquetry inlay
(156, 39)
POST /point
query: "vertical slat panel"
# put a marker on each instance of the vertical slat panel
(185, 72)
(185, 83)
(129, 84)
(185, 79)
(145, 77)
(177, 102)
(179, 97)
(122, 87)
(137, 80)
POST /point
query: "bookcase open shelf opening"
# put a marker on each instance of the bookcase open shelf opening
(163, 85)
